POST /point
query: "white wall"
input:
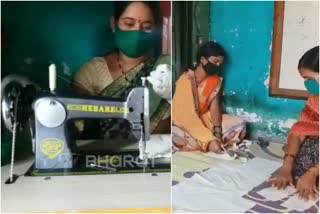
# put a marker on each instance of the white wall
(300, 33)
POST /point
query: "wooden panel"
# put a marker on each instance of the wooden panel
(284, 50)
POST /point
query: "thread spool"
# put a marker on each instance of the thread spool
(143, 79)
(52, 77)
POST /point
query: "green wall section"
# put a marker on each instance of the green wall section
(39, 33)
(191, 19)
(65, 33)
(201, 24)
(245, 31)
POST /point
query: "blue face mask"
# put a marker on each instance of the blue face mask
(312, 86)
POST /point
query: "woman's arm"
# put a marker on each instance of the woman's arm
(216, 114)
(285, 175)
(294, 142)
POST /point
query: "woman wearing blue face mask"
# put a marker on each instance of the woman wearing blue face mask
(135, 25)
(301, 160)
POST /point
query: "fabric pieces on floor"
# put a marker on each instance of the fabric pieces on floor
(185, 162)
(220, 189)
(240, 151)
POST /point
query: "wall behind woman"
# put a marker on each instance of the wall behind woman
(65, 33)
(245, 31)
(35, 34)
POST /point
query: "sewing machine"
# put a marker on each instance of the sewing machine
(52, 113)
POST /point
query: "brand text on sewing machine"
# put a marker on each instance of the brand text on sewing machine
(99, 109)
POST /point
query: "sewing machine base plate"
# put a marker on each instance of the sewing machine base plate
(115, 163)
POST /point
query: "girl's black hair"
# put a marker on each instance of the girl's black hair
(210, 49)
(310, 60)
(121, 6)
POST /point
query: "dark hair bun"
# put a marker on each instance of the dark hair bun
(310, 60)
(210, 49)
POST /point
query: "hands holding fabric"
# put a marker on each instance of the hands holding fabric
(161, 79)
(217, 145)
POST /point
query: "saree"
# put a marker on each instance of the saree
(192, 127)
(121, 87)
(159, 108)
(307, 125)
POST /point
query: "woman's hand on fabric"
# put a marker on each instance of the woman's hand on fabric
(283, 179)
(215, 146)
(161, 79)
(306, 186)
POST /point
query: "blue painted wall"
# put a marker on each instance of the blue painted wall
(245, 31)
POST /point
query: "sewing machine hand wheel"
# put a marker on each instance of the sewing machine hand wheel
(16, 88)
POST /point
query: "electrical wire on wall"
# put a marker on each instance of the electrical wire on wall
(196, 21)
(199, 37)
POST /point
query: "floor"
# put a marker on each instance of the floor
(194, 175)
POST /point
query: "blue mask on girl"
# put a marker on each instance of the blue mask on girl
(312, 86)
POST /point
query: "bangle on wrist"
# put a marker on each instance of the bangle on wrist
(217, 134)
(217, 131)
(217, 128)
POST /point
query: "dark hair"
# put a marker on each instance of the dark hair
(310, 60)
(121, 6)
(210, 49)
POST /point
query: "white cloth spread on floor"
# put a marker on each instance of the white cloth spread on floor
(274, 194)
(294, 203)
(220, 189)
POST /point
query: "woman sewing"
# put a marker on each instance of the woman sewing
(135, 25)
(301, 160)
(198, 121)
